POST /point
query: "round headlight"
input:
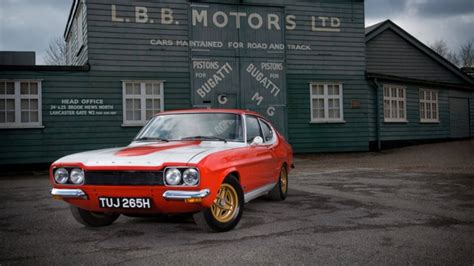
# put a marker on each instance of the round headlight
(191, 177)
(61, 175)
(173, 177)
(77, 176)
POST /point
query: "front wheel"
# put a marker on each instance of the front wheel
(226, 211)
(94, 219)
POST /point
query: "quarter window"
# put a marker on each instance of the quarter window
(429, 106)
(267, 131)
(394, 103)
(326, 102)
(20, 104)
(253, 128)
(141, 101)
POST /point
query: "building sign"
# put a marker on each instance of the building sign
(225, 19)
(82, 107)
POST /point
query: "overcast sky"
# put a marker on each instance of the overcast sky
(28, 25)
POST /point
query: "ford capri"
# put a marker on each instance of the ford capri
(208, 163)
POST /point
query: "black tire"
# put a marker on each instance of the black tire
(280, 191)
(93, 219)
(207, 221)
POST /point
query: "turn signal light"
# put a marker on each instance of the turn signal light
(193, 200)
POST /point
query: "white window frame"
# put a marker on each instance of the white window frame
(397, 99)
(143, 97)
(18, 97)
(79, 29)
(430, 102)
(326, 98)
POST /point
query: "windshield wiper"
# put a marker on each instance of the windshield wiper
(151, 139)
(205, 138)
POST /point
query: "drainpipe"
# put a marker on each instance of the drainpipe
(377, 107)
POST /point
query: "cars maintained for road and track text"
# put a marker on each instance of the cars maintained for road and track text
(206, 162)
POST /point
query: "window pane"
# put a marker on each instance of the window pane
(318, 90)
(128, 89)
(386, 92)
(2, 116)
(422, 110)
(24, 88)
(136, 104)
(393, 108)
(435, 96)
(401, 93)
(156, 89)
(149, 104)
(34, 117)
(137, 115)
(428, 96)
(33, 104)
(148, 89)
(331, 113)
(24, 105)
(253, 128)
(10, 88)
(10, 105)
(129, 104)
(2, 105)
(34, 88)
(129, 115)
(331, 103)
(24, 117)
(336, 103)
(386, 107)
(10, 117)
(393, 92)
(136, 88)
(157, 104)
(149, 114)
(2, 90)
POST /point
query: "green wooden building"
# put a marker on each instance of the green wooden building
(311, 67)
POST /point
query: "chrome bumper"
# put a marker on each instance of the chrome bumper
(69, 193)
(183, 195)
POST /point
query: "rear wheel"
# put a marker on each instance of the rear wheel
(227, 209)
(94, 219)
(280, 191)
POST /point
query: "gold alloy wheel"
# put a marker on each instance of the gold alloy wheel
(283, 180)
(226, 204)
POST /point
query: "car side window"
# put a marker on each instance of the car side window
(253, 128)
(267, 131)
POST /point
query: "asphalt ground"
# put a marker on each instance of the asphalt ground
(390, 208)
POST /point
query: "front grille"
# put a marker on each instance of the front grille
(122, 178)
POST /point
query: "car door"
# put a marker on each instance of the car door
(259, 163)
(270, 142)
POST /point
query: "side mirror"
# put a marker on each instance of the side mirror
(256, 141)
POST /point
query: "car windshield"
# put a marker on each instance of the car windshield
(202, 126)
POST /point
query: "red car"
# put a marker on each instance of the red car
(207, 162)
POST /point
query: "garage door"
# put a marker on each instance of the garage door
(459, 117)
(238, 59)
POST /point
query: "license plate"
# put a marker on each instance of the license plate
(125, 203)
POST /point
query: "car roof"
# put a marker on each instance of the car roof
(206, 110)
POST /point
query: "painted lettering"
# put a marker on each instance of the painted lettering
(115, 18)
(199, 16)
(167, 16)
(290, 22)
(224, 17)
(251, 19)
(141, 14)
(237, 16)
(274, 20)
(256, 97)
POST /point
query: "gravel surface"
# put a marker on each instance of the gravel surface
(390, 208)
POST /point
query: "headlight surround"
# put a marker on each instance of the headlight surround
(191, 177)
(77, 176)
(173, 176)
(61, 175)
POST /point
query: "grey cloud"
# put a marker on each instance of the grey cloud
(384, 8)
(443, 8)
(28, 25)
